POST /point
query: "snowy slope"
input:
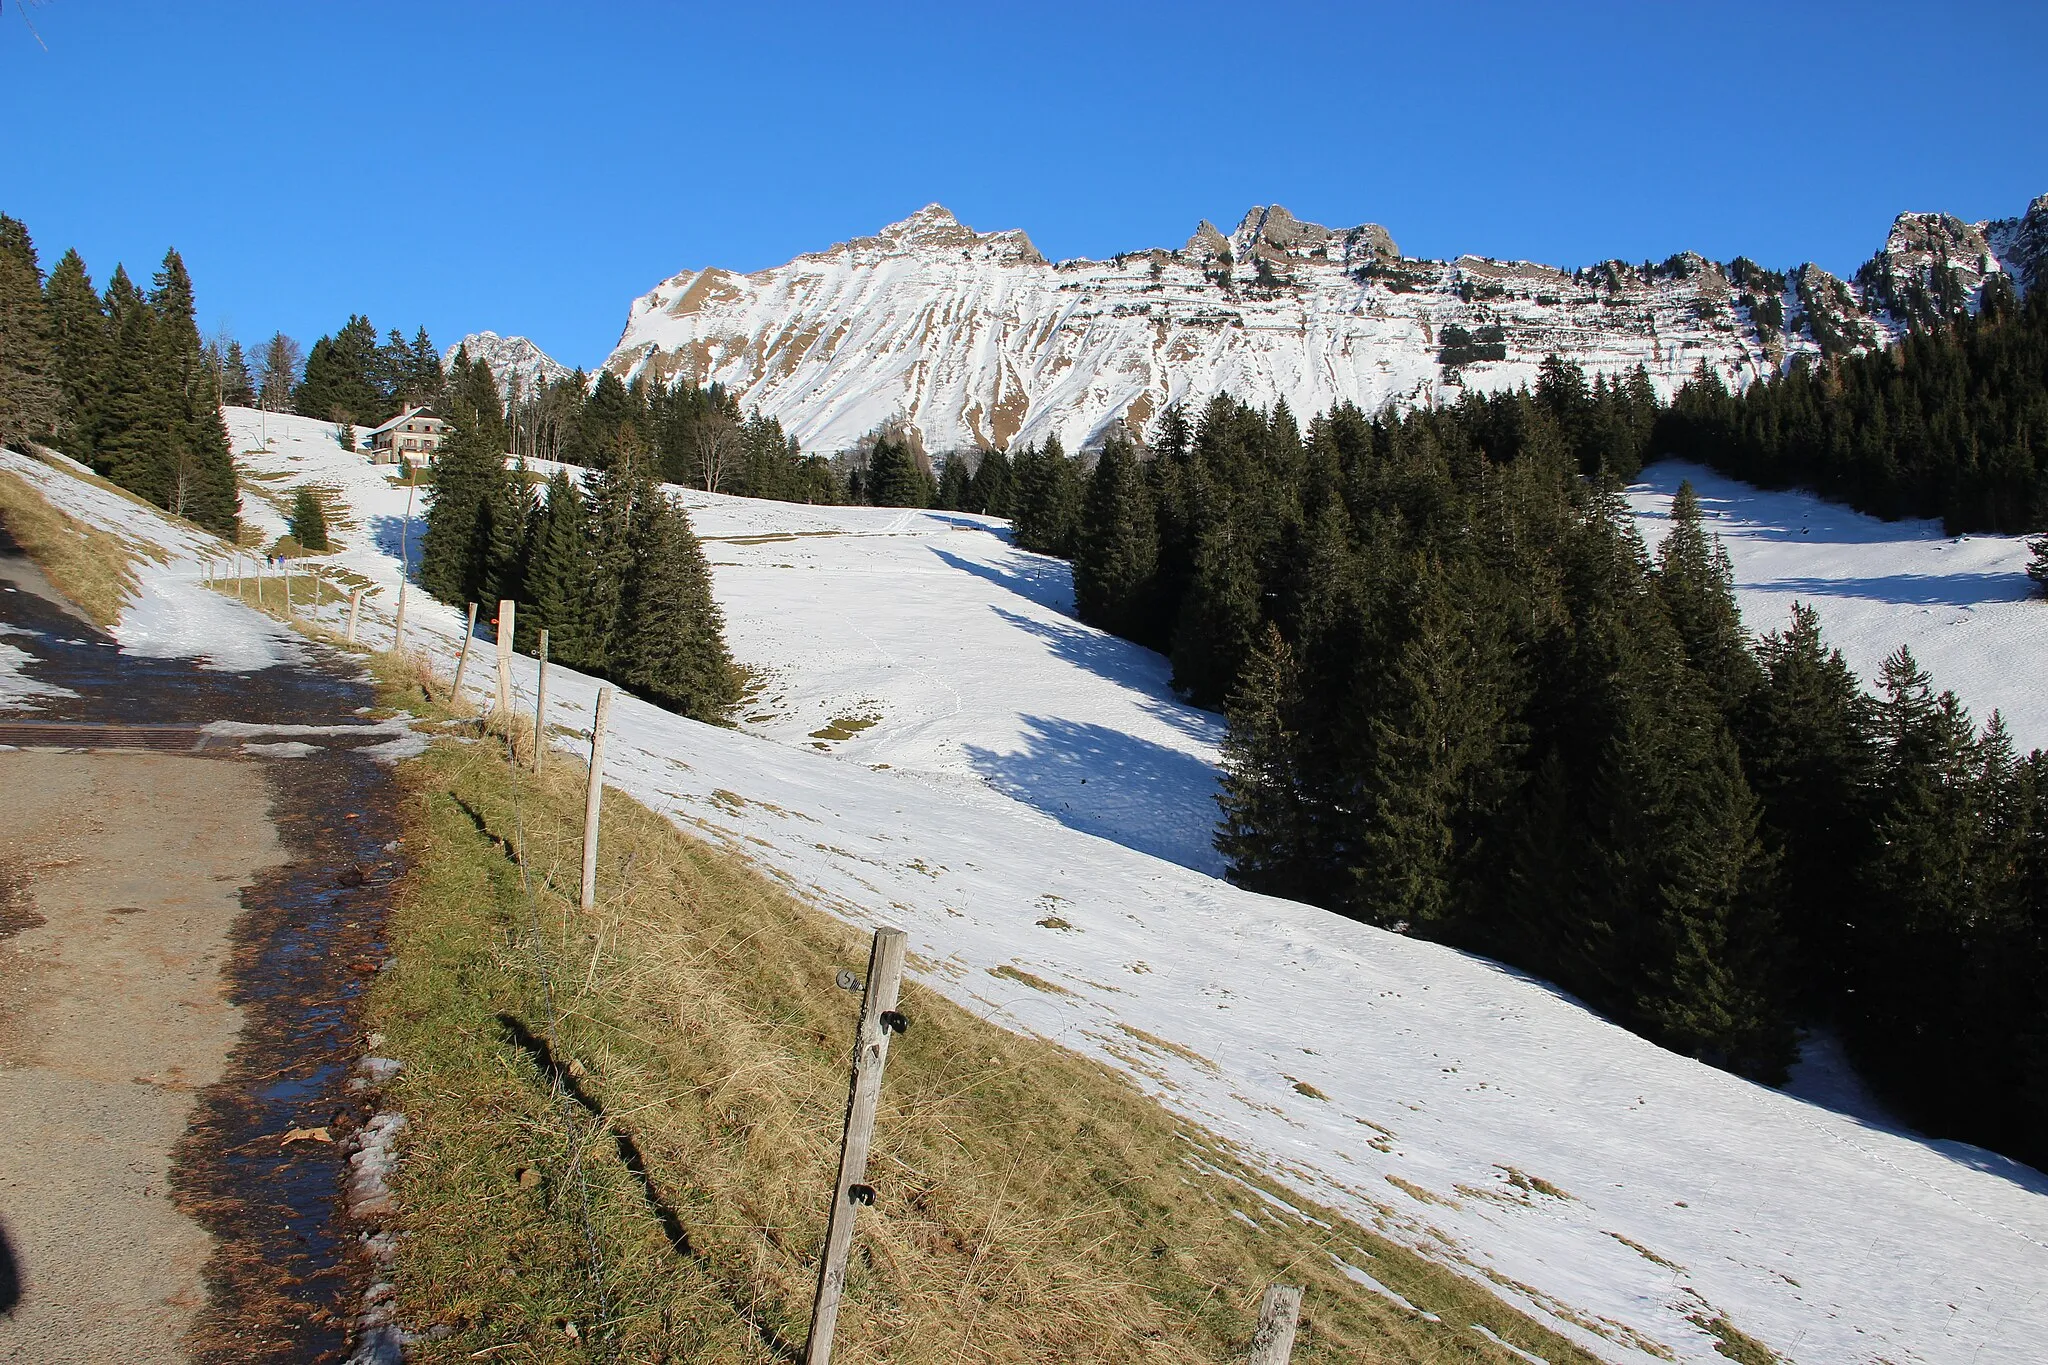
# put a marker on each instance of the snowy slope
(1340, 1057)
(1963, 604)
(976, 340)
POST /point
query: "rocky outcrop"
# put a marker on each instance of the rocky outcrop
(511, 360)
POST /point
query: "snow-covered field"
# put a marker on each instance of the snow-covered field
(1962, 603)
(1342, 1058)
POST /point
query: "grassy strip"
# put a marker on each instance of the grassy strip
(1031, 1204)
(89, 566)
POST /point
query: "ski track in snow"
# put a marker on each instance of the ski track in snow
(961, 816)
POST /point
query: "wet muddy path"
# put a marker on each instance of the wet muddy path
(287, 1271)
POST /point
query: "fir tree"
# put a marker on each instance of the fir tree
(2037, 566)
(955, 486)
(308, 521)
(280, 373)
(238, 389)
(1697, 583)
(558, 573)
(671, 636)
(79, 334)
(1264, 831)
(30, 396)
(895, 476)
(1807, 751)
(1117, 549)
(137, 434)
(199, 467)
(461, 552)
(993, 488)
(341, 374)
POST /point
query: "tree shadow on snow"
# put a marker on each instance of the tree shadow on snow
(395, 537)
(1911, 589)
(1114, 785)
(1048, 582)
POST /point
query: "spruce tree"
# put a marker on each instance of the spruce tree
(993, 488)
(895, 478)
(558, 573)
(30, 396)
(955, 486)
(198, 465)
(1432, 728)
(1117, 550)
(78, 323)
(341, 377)
(238, 389)
(672, 643)
(137, 437)
(1264, 832)
(465, 539)
(280, 373)
(308, 521)
(1220, 614)
(1697, 583)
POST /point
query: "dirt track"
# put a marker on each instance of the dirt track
(120, 878)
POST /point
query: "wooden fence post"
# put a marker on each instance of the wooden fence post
(1273, 1338)
(593, 797)
(462, 659)
(506, 608)
(540, 704)
(878, 1018)
(404, 568)
(355, 608)
(284, 567)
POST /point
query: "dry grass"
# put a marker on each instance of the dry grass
(1031, 1205)
(91, 567)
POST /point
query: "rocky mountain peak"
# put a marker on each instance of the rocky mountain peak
(512, 361)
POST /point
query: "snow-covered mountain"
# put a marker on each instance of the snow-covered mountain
(511, 358)
(975, 339)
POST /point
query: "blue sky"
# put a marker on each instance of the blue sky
(533, 167)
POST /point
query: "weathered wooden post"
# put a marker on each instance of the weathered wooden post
(1273, 1338)
(404, 569)
(241, 578)
(540, 704)
(284, 567)
(355, 608)
(506, 607)
(593, 797)
(462, 659)
(878, 1019)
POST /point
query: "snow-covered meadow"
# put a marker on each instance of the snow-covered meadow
(1030, 796)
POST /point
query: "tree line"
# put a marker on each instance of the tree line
(610, 568)
(119, 380)
(1950, 423)
(1464, 701)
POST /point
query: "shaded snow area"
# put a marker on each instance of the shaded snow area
(170, 615)
(1963, 604)
(1604, 1185)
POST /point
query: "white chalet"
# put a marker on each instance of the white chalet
(414, 434)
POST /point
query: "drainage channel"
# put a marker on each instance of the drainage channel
(289, 1268)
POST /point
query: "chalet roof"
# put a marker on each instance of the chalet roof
(408, 413)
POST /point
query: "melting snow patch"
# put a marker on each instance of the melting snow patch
(290, 748)
(16, 687)
(1357, 1276)
(1509, 1346)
